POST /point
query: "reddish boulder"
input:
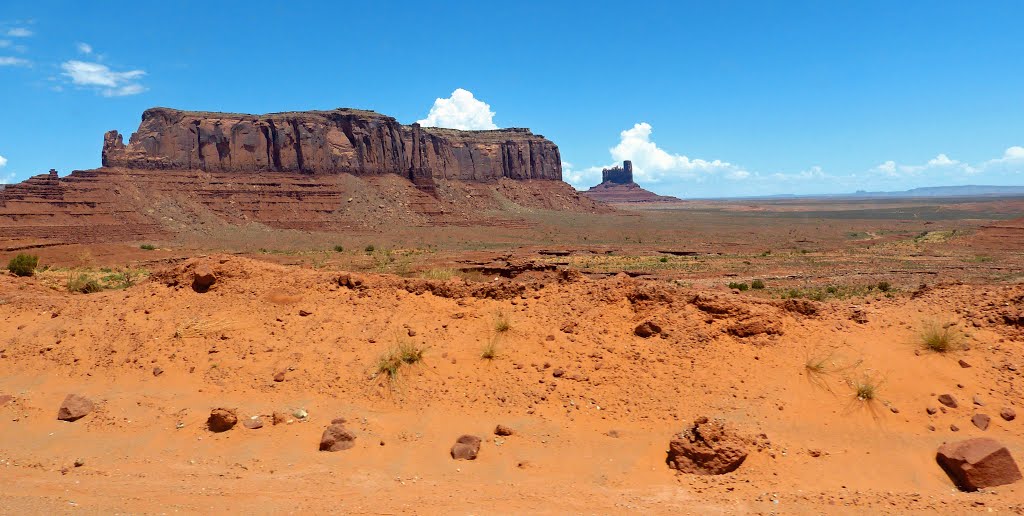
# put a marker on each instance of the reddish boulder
(978, 463)
(647, 329)
(466, 448)
(221, 420)
(336, 438)
(74, 407)
(1008, 414)
(706, 448)
(503, 430)
(751, 327)
(800, 306)
(948, 400)
(981, 421)
(203, 278)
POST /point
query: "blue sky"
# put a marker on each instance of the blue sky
(707, 99)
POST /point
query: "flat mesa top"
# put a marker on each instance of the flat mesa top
(178, 114)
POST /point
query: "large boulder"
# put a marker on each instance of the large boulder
(978, 463)
(221, 420)
(706, 448)
(74, 407)
(336, 438)
(466, 447)
(203, 278)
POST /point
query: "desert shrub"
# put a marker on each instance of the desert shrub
(490, 351)
(739, 286)
(866, 389)
(757, 284)
(501, 323)
(438, 274)
(339, 249)
(403, 353)
(23, 264)
(84, 284)
(369, 249)
(664, 259)
(940, 338)
(147, 247)
(884, 286)
(831, 289)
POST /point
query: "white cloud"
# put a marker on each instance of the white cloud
(100, 77)
(460, 111)
(14, 61)
(84, 48)
(3, 162)
(651, 163)
(19, 32)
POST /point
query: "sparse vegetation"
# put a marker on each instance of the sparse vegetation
(490, 351)
(663, 259)
(884, 286)
(866, 389)
(369, 249)
(23, 265)
(757, 284)
(83, 283)
(443, 274)
(940, 338)
(501, 322)
(405, 352)
(339, 249)
(147, 247)
(742, 287)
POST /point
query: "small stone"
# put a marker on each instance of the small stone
(253, 423)
(948, 400)
(79, 463)
(466, 447)
(74, 407)
(503, 430)
(981, 421)
(647, 329)
(894, 410)
(963, 363)
(157, 371)
(978, 402)
(221, 420)
(954, 428)
(303, 313)
(931, 411)
(931, 428)
(279, 376)
(411, 332)
(1008, 414)
(557, 373)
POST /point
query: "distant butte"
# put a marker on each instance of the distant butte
(617, 186)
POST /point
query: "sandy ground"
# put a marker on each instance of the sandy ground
(591, 439)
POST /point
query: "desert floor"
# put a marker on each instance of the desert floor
(294, 326)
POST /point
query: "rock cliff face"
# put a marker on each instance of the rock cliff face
(329, 142)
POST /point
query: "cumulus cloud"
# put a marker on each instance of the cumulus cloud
(14, 61)
(3, 162)
(654, 164)
(84, 48)
(19, 32)
(1012, 161)
(101, 78)
(460, 111)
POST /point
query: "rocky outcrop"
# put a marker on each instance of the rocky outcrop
(329, 142)
(617, 186)
(978, 463)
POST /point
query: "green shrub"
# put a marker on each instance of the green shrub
(742, 287)
(83, 283)
(339, 249)
(147, 247)
(757, 284)
(369, 249)
(23, 265)
(884, 286)
(664, 259)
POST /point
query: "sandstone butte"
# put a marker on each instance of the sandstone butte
(343, 169)
(617, 186)
(328, 142)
